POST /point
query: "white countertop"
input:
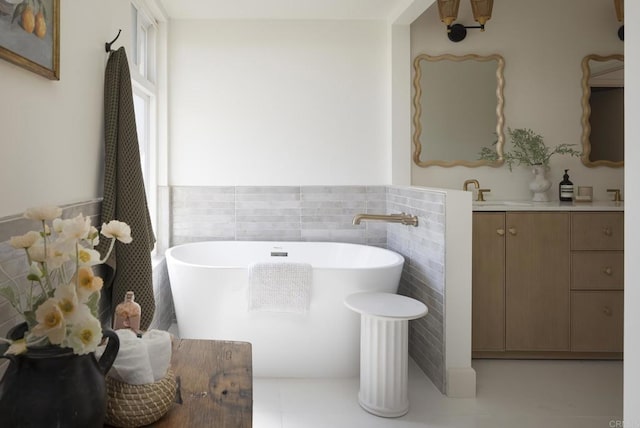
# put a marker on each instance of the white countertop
(547, 206)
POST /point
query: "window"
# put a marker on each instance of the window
(143, 61)
(144, 37)
(142, 106)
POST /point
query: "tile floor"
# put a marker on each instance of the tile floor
(510, 394)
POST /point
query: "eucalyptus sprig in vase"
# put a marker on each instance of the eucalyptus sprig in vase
(530, 150)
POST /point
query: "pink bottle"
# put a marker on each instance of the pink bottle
(127, 314)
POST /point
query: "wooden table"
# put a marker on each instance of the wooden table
(215, 385)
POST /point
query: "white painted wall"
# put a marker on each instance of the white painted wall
(399, 107)
(460, 376)
(632, 229)
(278, 103)
(543, 43)
(51, 138)
(399, 30)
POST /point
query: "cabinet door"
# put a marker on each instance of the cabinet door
(597, 319)
(488, 282)
(537, 281)
(597, 231)
(597, 270)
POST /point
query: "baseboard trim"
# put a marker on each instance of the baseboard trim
(547, 355)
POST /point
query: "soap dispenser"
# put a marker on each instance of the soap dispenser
(566, 187)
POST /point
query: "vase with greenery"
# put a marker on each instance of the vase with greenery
(530, 150)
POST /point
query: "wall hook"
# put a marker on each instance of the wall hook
(107, 46)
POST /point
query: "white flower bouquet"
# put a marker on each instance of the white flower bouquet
(60, 302)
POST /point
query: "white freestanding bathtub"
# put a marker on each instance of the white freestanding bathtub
(209, 284)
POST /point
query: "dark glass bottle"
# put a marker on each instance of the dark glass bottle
(566, 188)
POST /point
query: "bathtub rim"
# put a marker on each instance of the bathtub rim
(400, 260)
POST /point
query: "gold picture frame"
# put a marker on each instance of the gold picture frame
(422, 159)
(587, 74)
(30, 35)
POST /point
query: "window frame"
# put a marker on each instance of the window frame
(148, 69)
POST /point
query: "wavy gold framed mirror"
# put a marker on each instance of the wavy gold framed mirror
(603, 110)
(458, 109)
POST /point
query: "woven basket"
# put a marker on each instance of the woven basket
(130, 406)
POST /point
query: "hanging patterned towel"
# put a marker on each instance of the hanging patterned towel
(280, 287)
(124, 195)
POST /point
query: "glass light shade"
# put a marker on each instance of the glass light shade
(448, 10)
(619, 4)
(482, 10)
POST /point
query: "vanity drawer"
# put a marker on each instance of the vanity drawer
(597, 231)
(597, 270)
(597, 319)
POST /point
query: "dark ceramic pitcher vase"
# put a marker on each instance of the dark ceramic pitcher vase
(53, 387)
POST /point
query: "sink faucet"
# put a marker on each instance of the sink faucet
(481, 192)
(616, 195)
(465, 186)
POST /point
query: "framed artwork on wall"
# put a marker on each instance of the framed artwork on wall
(30, 35)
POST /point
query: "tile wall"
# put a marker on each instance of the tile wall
(423, 277)
(325, 213)
(292, 213)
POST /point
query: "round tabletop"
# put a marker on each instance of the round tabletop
(386, 305)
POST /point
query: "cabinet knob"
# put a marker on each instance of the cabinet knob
(513, 231)
(607, 270)
(500, 232)
(607, 311)
(607, 231)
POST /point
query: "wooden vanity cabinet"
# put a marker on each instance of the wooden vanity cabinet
(597, 319)
(597, 231)
(547, 284)
(488, 281)
(538, 271)
(520, 276)
(597, 281)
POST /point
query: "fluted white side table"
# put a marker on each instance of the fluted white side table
(384, 349)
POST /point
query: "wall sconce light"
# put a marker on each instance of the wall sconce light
(448, 10)
(619, 5)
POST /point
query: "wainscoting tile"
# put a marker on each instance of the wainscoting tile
(325, 213)
(423, 274)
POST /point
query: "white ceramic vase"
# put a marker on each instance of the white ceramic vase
(540, 184)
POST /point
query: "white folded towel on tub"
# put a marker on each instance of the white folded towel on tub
(280, 287)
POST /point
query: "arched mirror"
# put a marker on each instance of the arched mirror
(458, 109)
(603, 110)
